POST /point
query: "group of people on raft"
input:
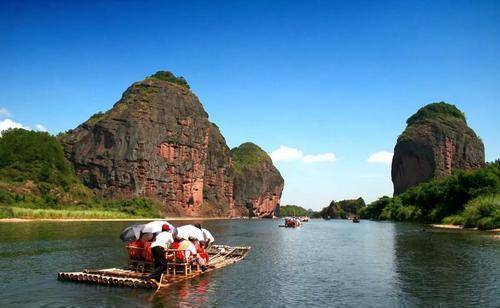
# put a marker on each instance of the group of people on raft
(191, 249)
(292, 222)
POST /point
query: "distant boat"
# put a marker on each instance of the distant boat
(355, 219)
(291, 222)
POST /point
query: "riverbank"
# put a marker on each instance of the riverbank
(14, 220)
(460, 227)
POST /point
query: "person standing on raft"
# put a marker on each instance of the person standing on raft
(158, 248)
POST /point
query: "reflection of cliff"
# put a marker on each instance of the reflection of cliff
(446, 269)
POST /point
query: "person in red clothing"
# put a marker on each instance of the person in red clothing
(202, 253)
(175, 245)
(135, 249)
(200, 250)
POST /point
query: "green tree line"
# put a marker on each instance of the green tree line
(467, 197)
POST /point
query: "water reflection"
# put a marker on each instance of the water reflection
(192, 293)
(440, 267)
(325, 263)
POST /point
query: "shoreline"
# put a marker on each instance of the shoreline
(14, 220)
(460, 227)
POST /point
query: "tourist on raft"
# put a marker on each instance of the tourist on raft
(209, 239)
(202, 254)
(160, 244)
(190, 251)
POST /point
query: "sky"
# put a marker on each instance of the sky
(325, 87)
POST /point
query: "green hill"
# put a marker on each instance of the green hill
(36, 181)
(343, 209)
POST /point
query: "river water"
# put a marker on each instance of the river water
(323, 264)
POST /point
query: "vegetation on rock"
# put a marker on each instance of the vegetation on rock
(95, 118)
(436, 111)
(170, 77)
(248, 155)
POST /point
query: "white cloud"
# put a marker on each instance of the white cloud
(319, 158)
(380, 157)
(41, 128)
(4, 113)
(285, 153)
(8, 123)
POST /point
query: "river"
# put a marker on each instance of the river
(322, 264)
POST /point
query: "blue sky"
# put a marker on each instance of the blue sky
(320, 77)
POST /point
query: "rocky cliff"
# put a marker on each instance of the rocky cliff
(158, 142)
(436, 141)
(257, 182)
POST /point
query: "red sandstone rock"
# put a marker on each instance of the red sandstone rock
(157, 142)
(257, 182)
(434, 145)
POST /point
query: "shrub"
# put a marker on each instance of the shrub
(6, 197)
(168, 76)
(453, 220)
(248, 155)
(436, 110)
(483, 212)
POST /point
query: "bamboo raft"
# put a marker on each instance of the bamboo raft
(219, 256)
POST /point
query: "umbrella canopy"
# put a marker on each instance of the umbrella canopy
(190, 231)
(155, 226)
(131, 233)
(208, 236)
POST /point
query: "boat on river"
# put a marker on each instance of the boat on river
(292, 222)
(135, 274)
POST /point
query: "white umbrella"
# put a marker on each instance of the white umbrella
(190, 231)
(208, 236)
(155, 226)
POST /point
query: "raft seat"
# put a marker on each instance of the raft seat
(176, 261)
(140, 259)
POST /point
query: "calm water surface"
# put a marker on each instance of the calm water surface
(324, 263)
